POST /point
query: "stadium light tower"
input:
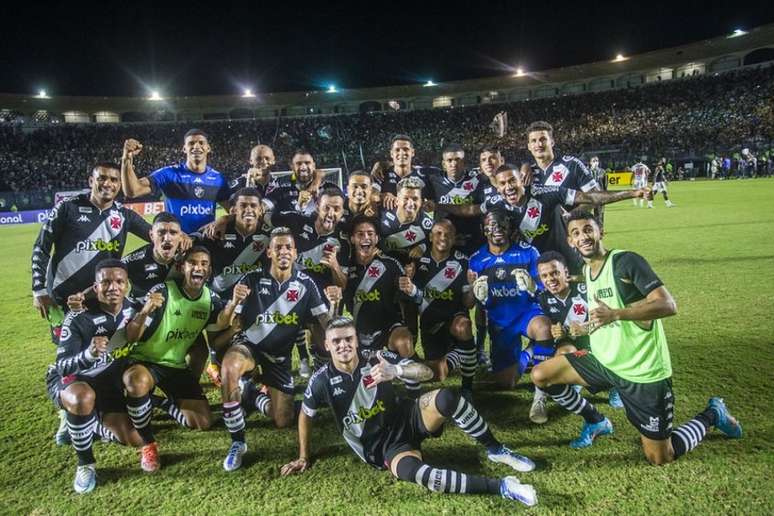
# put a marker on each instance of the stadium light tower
(332, 88)
(248, 94)
(519, 72)
(619, 58)
(154, 95)
(737, 33)
(42, 95)
(429, 83)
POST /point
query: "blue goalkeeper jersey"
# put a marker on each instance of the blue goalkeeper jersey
(505, 303)
(190, 196)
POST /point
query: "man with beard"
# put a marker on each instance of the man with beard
(323, 254)
(278, 303)
(437, 282)
(174, 315)
(153, 263)
(459, 186)
(504, 278)
(85, 381)
(303, 191)
(404, 231)
(386, 431)
(82, 231)
(190, 189)
(386, 179)
(629, 351)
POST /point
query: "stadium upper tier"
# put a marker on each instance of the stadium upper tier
(720, 54)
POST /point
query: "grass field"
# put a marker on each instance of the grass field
(715, 253)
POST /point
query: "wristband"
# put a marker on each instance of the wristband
(398, 370)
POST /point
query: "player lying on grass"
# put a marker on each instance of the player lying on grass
(628, 351)
(386, 431)
(85, 381)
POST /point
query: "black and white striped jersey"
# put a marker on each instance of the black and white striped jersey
(234, 255)
(364, 413)
(78, 330)
(397, 238)
(81, 236)
(567, 171)
(274, 312)
(441, 286)
(145, 272)
(469, 189)
(572, 309)
(390, 180)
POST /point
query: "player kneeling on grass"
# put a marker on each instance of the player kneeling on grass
(85, 381)
(386, 431)
(175, 314)
(437, 282)
(628, 351)
(280, 301)
(565, 304)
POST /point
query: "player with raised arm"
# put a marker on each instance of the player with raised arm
(565, 304)
(660, 185)
(85, 381)
(280, 301)
(174, 315)
(629, 351)
(504, 277)
(191, 188)
(438, 283)
(386, 431)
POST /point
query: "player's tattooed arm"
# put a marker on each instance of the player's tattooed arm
(601, 198)
(132, 185)
(385, 371)
(302, 463)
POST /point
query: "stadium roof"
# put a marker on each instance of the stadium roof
(705, 52)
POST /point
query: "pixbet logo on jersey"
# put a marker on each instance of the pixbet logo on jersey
(363, 414)
(97, 245)
(195, 209)
(242, 268)
(277, 318)
(434, 293)
(505, 292)
(181, 334)
(362, 296)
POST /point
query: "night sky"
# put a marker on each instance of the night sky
(220, 49)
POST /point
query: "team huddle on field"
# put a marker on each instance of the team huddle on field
(390, 280)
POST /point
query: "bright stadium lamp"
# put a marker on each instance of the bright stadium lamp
(248, 94)
(737, 33)
(429, 83)
(154, 95)
(519, 72)
(619, 58)
(332, 88)
(42, 94)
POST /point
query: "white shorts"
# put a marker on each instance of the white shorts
(639, 183)
(659, 187)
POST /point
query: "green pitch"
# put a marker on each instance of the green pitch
(714, 251)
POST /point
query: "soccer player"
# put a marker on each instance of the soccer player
(323, 253)
(600, 176)
(154, 263)
(547, 170)
(359, 201)
(303, 191)
(439, 286)
(640, 173)
(385, 431)
(459, 186)
(386, 180)
(504, 278)
(405, 230)
(190, 188)
(174, 315)
(85, 381)
(83, 231)
(280, 302)
(374, 297)
(629, 351)
(660, 185)
(259, 175)
(565, 304)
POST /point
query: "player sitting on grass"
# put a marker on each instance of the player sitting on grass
(628, 351)
(386, 431)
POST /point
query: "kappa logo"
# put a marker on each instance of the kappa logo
(100, 330)
(228, 245)
(264, 292)
(338, 391)
(198, 180)
(652, 425)
(83, 218)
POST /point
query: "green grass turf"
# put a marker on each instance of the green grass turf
(714, 251)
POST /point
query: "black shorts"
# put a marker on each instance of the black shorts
(436, 337)
(649, 406)
(276, 370)
(108, 385)
(177, 383)
(378, 339)
(407, 431)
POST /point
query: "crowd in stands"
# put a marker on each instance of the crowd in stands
(708, 115)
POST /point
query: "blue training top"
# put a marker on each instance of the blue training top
(188, 195)
(506, 304)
